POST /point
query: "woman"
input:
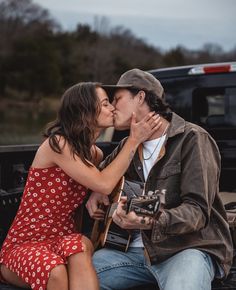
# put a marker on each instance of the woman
(42, 249)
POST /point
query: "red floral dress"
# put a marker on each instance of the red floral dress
(43, 233)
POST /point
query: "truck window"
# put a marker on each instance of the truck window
(231, 106)
(214, 107)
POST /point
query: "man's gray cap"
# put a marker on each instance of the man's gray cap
(136, 78)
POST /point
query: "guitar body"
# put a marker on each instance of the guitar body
(115, 237)
(106, 233)
(111, 235)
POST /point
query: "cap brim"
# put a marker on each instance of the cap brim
(110, 89)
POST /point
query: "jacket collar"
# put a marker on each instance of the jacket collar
(177, 125)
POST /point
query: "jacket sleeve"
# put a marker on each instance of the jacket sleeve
(199, 181)
(113, 155)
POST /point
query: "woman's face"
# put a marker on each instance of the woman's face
(106, 117)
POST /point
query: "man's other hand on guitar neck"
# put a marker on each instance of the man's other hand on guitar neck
(130, 220)
(95, 204)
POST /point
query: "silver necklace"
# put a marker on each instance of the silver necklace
(163, 133)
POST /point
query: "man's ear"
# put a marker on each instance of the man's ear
(141, 97)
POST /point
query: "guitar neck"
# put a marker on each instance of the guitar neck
(111, 210)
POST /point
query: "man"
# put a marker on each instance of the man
(190, 243)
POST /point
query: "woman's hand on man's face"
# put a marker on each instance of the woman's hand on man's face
(145, 128)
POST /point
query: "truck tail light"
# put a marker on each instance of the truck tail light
(211, 69)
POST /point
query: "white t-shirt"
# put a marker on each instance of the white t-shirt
(151, 150)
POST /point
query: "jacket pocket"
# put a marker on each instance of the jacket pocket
(170, 169)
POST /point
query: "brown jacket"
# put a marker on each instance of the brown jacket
(194, 216)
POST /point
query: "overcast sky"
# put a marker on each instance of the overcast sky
(162, 23)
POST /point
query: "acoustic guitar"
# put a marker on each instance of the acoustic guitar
(106, 233)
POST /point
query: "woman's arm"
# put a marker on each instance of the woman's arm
(104, 181)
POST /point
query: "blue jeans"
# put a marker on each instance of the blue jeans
(188, 270)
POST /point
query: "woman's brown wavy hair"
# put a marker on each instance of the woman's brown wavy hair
(76, 120)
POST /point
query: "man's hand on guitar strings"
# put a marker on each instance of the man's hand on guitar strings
(130, 220)
(94, 205)
(146, 220)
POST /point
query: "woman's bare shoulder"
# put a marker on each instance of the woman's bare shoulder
(44, 156)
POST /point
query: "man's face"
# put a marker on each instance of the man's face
(125, 104)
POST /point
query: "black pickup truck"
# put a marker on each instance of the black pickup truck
(202, 94)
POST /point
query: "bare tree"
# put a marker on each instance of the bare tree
(102, 25)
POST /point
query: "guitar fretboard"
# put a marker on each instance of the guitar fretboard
(113, 207)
